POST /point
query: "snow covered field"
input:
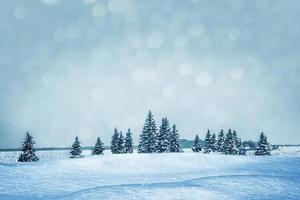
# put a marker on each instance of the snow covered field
(150, 176)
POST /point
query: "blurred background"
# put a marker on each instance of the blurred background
(82, 67)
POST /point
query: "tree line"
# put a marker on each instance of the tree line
(229, 144)
(165, 139)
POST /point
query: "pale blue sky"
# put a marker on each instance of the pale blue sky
(82, 67)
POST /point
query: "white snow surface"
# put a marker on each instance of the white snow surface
(166, 176)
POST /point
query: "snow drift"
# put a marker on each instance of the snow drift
(153, 176)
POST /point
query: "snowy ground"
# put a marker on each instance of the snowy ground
(150, 176)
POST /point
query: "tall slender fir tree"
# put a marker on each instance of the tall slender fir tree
(121, 143)
(28, 150)
(163, 137)
(148, 138)
(128, 144)
(174, 140)
(114, 147)
(221, 141)
(208, 145)
(213, 142)
(238, 143)
(230, 144)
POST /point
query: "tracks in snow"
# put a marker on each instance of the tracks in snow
(196, 182)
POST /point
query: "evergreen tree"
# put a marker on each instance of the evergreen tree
(263, 147)
(230, 144)
(98, 148)
(121, 143)
(238, 143)
(208, 142)
(196, 144)
(213, 142)
(143, 146)
(163, 137)
(76, 149)
(147, 143)
(221, 141)
(28, 150)
(174, 140)
(128, 144)
(241, 148)
(114, 147)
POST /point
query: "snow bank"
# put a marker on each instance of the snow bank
(153, 176)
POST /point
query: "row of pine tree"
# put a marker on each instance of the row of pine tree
(164, 139)
(229, 144)
(154, 140)
(119, 144)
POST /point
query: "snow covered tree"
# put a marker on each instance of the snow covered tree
(128, 144)
(76, 149)
(147, 143)
(221, 141)
(241, 148)
(28, 150)
(238, 142)
(230, 144)
(174, 140)
(143, 146)
(213, 143)
(196, 144)
(98, 148)
(263, 147)
(114, 147)
(163, 137)
(121, 143)
(208, 145)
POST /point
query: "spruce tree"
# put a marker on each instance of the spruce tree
(28, 150)
(230, 144)
(163, 137)
(98, 148)
(174, 140)
(114, 147)
(196, 144)
(221, 141)
(213, 143)
(208, 145)
(241, 148)
(147, 143)
(76, 149)
(263, 147)
(238, 143)
(121, 143)
(128, 144)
